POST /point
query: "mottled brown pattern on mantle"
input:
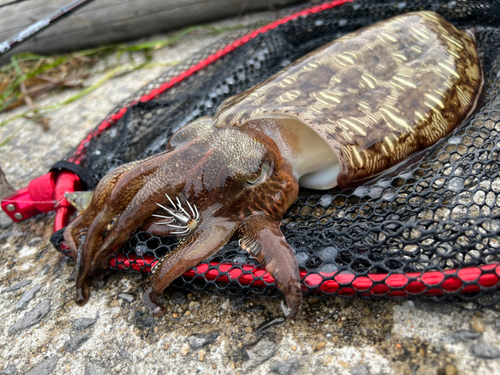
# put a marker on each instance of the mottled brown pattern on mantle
(377, 95)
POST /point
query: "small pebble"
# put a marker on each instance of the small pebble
(327, 359)
(44, 368)
(260, 353)
(199, 341)
(185, 350)
(462, 335)
(126, 297)
(5, 222)
(27, 297)
(126, 355)
(82, 324)
(75, 342)
(93, 369)
(320, 345)
(360, 370)
(312, 300)
(194, 305)
(9, 370)
(144, 321)
(131, 317)
(477, 324)
(101, 284)
(237, 303)
(289, 367)
(178, 296)
(201, 355)
(485, 351)
(35, 241)
(17, 286)
(225, 305)
(449, 369)
(31, 318)
(45, 269)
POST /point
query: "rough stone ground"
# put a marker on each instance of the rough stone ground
(42, 331)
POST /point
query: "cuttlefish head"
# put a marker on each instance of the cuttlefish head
(241, 186)
(238, 172)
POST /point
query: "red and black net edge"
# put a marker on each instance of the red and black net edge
(432, 230)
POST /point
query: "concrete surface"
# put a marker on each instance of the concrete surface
(42, 331)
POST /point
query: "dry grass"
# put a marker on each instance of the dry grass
(28, 77)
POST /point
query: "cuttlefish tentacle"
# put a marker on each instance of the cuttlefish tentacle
(90, 219)
(211, 235)
(131, 218)
(121, 203)
(262, 238)
(83, 221)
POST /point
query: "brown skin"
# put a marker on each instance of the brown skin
(195, 168)
(376, 95)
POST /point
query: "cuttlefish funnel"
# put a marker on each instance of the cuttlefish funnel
(345, 112)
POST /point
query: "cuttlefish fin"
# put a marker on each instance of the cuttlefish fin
(261, 236)
(205, 241)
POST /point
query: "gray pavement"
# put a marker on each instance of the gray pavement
(42, 331)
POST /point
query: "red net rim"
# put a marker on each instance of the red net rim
(428, 283)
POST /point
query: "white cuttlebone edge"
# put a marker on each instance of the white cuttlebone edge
(315, 163)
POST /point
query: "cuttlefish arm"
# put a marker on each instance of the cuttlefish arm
(83, 221)
(261, 236)
(86, 222)
(211, 235)
(122, 202)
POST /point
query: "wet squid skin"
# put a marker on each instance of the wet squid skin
(343, 113)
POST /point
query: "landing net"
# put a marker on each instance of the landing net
(432, 230)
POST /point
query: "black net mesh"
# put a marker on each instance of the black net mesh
(431, 230)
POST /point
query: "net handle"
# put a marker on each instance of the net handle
(45, 22)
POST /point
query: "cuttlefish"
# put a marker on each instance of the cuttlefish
(341, 114)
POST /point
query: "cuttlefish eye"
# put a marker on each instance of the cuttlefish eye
(265, 171)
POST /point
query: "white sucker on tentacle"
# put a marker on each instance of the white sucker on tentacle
(180, 215)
